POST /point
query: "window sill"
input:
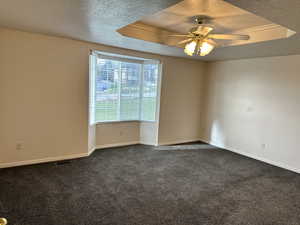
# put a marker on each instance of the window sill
(124, 121)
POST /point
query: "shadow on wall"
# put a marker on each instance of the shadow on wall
(214, 134)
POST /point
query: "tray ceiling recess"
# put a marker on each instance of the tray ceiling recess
(167, 26)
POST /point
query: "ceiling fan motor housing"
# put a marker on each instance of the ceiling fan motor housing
(202, 19)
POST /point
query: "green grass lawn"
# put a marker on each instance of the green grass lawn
(107, 110)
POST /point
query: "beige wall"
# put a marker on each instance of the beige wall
(181, 101)
(252, 106)
(44, 97)
(114, 134)
(125, 133)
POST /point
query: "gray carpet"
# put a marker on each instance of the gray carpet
(143, 185)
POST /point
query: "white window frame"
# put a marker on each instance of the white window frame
(122, 58)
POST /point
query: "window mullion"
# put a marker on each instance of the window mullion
(120, 89)
(94, 74)
(141, 91)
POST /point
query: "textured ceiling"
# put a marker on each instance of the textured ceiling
(98, 20)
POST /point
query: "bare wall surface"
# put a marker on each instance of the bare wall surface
(181, 101)
(252, 107)
(44, 96)
(114, 134)
(149, 133)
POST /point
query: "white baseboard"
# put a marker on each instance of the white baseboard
(271, 162)
(117, 144)
(44, 160)
(148, 143)
(65, 157)
(179, 141)
(268, 161)
(91, 150)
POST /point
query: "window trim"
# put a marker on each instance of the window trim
(125, 121)
(125, 58)
(129, 59)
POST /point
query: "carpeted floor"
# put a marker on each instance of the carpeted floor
(143, 185)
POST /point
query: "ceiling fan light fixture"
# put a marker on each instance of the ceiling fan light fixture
(200, 41)
(196, 47)
(206, 48)
(190, 48)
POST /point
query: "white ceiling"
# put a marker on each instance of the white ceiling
(98, 20)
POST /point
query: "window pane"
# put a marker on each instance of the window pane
(149, 94)
(107, 90)
(130, 91)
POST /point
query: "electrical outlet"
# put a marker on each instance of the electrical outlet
(263, 146)
(19, 146)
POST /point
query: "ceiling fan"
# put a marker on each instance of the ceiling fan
(201, 41)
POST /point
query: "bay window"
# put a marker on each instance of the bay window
(123, 88)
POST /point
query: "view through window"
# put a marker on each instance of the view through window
(123, 89)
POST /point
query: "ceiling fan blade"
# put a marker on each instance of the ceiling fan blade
(178, 35)
(211, 41)
(229, 36)
(185, 41)
(203, 30)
